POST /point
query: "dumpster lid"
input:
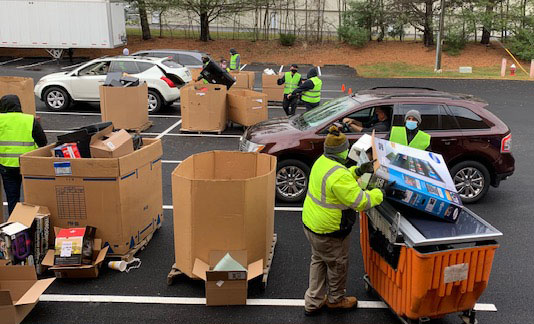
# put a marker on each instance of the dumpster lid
(419, 229)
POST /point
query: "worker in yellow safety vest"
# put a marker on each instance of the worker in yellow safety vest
(310, 90)
(235, 60)
(291, 81)
(19, 133)
(410, 134)
(329, 212)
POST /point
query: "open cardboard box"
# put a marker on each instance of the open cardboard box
(227, 287)
(19, 292)
(109, 144)
(203, 107)
(27, 216)
(78, 271)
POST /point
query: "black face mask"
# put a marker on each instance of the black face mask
(293, 71)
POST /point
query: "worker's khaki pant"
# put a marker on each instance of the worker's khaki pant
(328, 269)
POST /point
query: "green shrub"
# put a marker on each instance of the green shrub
(522, 44)
(454, 43)
(354, 35)
(288, 39)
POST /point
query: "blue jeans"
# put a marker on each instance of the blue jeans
(12, 183)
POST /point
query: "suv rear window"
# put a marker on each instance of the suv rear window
(189, 60)
(467, 119)
(170, 63)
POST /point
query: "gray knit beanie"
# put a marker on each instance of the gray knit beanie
(415, 114)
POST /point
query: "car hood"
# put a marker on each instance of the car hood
(266, 131)
(55, 76)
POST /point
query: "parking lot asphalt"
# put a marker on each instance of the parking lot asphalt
(508, 208)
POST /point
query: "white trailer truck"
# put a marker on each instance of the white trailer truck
(56, 25)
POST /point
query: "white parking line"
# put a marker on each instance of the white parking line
(364, 304)
(241, 69)
(288, 209)
(319, 70)
(171, 161)
(158, 134)
(13, 60)
(165, 132)
(95, 114)
(35, 64)
(281, 68)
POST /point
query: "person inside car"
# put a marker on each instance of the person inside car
(382, 125)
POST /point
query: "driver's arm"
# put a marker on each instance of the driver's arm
(353, 124)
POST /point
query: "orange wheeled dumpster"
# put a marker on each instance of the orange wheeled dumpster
(426, 268)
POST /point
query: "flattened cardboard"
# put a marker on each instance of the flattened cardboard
(244, 79)
(241, 187)
(423, 176)
(126, 107)
(19, 292)
(227, 287)
(203, 107)
(23, 88)
(111, 144)
(122, 197)
(247, 107)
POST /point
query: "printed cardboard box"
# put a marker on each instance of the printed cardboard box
(247, 107)
(240, 212)
(72, 245)
(203, 107)
(23, 88)
(126, 107)
(24, 237)
(19, 292)
(122, 197)
(423, 175)
(227, 287)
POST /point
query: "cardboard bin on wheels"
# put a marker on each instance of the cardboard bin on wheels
(425, 268)
(226, 203)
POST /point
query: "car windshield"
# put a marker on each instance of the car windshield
(323, 113)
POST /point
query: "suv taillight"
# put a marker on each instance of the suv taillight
(169, 82)
(506, 144)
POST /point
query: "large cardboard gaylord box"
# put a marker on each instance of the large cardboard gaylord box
(23, 88)
(247, 107)
(19, 292)
(24, 237)
(273, 91)
(203, 107)
(126, 107)
(243, 79)
(423, 175)
(121, 197)
(224, 201)
(227, 287)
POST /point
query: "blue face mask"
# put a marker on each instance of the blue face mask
(411, 125)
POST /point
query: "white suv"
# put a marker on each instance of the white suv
(163, 76)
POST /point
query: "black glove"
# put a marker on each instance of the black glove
(389, 191)
(366, 167)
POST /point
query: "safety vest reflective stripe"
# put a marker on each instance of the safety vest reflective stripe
(325, 204)
(291, 82)
(10, 155)
(313, 95)
(233, 62)
(15, 143)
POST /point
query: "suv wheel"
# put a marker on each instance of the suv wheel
(292, 180)
(472, 180)
(154, 101)
(56, 98)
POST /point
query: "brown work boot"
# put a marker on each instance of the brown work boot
(316, 311)
(347, 302)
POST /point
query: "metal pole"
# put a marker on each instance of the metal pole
(437, 68)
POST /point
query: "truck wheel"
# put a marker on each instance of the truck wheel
(472, 180)
(56, 99)
(292, 180)
(154, 101)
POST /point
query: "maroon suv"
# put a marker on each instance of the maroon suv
(475, 143)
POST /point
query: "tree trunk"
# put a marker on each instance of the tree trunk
(145, 27)
(428, 34)
(204, 27)
(486, 30)
(160, 24)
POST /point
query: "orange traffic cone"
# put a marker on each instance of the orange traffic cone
(350, 91)
(343, 87)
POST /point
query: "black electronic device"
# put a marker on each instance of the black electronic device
(82, 137)
(214, 74)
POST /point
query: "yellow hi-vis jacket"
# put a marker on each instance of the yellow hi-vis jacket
(15, 137)
(333, 190)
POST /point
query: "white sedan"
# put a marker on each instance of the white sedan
(163, 76)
